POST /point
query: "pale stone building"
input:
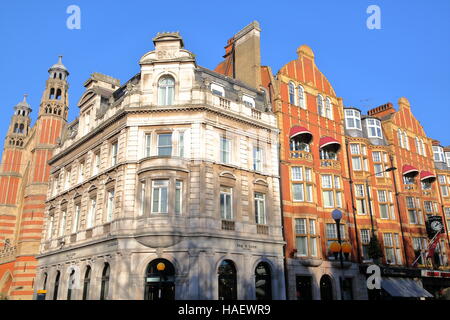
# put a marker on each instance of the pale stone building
(180, 166)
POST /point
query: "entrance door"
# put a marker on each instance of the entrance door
(326, 288)
(160, 280)
(304, 288)
(263, 282)
(227, 281)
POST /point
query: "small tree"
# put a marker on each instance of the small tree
(375, 251)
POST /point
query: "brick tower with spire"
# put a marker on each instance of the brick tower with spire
(24, 178)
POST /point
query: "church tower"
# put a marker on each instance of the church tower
(24, 181)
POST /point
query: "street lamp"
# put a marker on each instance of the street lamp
(160, 267)
(337, 216)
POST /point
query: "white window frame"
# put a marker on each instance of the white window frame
(227, 194)
(158, 209)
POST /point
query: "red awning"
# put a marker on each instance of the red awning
(300, 131)
(409, 170)
(329, 142)
(427, 175)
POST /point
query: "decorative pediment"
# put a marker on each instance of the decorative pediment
(261, 182)
(227, 174)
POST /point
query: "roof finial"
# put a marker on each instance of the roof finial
(60, 59)
(25, 96)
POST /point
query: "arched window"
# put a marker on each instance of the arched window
(166, 91)
(227, 281)
(104, 290)
(291, 93)
(21, 128)
(86, 283)
(301, 97)
(424, 150)
(320, 110)
(56, 287)
(70, 285)
(326, 288)
(160, 280)
(263, 282)
(58, 94)
(16, 128)
(52, 94)
(328, 109)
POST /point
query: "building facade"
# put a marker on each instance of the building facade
(24, 174)
(190, 183)
(166, 187)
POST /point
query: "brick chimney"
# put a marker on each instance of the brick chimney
(382, 110)
(243, 56)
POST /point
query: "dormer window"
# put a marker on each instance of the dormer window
(248, 101)
(166, 91)
(374, 128)
(352, 119)
(438, 153)
(217, 90)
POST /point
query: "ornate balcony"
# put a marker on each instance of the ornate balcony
(330, 164)
(301, 155)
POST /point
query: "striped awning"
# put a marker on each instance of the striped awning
(330, 142)
(427, 176)
(409, 170)
(301, 131)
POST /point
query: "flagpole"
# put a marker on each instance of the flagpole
(428, 248)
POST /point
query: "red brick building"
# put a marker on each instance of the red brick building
(23, 184)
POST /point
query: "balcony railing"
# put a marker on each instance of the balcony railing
(262, 229)
(331, 164)
(224, 103)
(301, 155)
(256, 114)
(228, 225)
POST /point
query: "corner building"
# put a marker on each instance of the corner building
(177, 166)
(24, 175)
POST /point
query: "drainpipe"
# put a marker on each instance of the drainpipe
(398, 211)
(353, 202)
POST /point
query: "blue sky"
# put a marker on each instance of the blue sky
(409, 56)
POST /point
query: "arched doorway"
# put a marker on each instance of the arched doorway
(86, 283)
(104, 289)
(160, 280)
(70, 285)
(263, 282)
(326, 288)
(227, 281)
(56, 287)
